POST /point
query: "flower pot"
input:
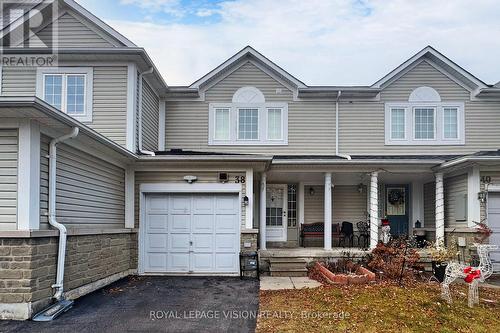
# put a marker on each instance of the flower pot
(439, 270)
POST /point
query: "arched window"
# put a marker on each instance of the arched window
(424, 94)
(248, 120)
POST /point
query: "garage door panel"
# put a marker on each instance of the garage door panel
(203, 242)
(225, 262)
(225, 242)
(203, 262)
(203, 224)
(157, 262)
(158, 223)
(192, 233)
(225, 224)
(157, 242)
(178, 262)
(203, 205)
(494, 224)
(180, 223)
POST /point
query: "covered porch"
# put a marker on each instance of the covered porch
(321, 211)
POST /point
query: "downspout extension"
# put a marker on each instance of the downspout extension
(139, 114)
(348, 157)
(52, 211)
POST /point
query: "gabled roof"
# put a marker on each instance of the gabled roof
(247, 52)
(72, 5)
(438, 59)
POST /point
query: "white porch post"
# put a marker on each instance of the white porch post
(249, 194)
(439, 208)
(473, 205)
(328, 211)
(300, 206)
(373, 210)
(262, 225)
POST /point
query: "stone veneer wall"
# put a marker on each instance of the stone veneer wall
(28, 265)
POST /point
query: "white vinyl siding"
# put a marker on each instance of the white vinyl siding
(398, 124)
(90, 191)
(222, 126)
(425, 124)
(274, 124)
(248, 124)
(8, 178)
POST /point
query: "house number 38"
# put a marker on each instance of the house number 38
(239, 179)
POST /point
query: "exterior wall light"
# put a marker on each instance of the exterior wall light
(481, 196)
(245, 200)
(311, 191)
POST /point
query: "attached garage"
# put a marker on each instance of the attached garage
(190, 233)
(494, 224)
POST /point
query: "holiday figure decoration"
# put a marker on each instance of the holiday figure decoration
(471, 275)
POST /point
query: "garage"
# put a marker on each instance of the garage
(191, 233)
(494, 224)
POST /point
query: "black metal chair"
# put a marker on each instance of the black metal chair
(364, 233)
(346, 234)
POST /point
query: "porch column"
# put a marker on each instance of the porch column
(328, 212)
(373, 210)
(249, 194)
(300, 205)
(262, 220)
(439, 208)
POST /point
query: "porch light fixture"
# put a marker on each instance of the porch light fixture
(481, 196)
(245, 200)
(311, 191)
(360, 188)
(190, 179)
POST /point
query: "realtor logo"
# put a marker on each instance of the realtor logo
(30, 25)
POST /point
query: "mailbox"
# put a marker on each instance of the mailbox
(249, 262)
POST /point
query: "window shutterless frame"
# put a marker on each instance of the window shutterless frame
(281, 123)
(238, 110)
(214, 134)
(65, 72)
(458, 128)
(434, 127)
(405, 111)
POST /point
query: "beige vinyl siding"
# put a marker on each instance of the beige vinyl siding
(110, 103)
(18, 81)
(8, 178)
(150, 118)
(430, 205)
(314, 205)
(90, 191)
(311, 124)
(71, 32)
(362, 124)
(348, 204)
(455, 191)
(178, 177)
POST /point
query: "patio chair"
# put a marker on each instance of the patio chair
(364, 233)
(346, 234)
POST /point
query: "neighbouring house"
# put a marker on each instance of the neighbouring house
(179, 179)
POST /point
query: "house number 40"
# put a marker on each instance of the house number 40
(239, 179)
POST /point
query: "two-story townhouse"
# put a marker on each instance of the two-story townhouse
(153, 179)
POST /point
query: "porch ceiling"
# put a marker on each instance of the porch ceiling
(343, 178)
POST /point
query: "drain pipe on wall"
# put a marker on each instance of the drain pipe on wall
(348, 157)
(139, 113)
(52, 211)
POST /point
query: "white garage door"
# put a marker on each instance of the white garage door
(494, 224)
(191, 233)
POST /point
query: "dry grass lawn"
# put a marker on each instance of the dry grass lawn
(377, 308)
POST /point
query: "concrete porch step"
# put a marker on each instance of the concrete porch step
(288, 272)
(287, 261)
(287, 267)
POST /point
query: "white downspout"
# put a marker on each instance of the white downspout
(52, 211)
(348, 157)
(142, 151)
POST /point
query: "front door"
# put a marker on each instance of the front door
(396, 209)
(276, 215)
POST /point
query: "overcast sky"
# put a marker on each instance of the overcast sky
(321, 42)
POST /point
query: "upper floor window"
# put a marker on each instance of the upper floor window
(248, 120)
(68, 89)
(425, 120)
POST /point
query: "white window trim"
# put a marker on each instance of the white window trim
(439, 139)
(215, 121)
(89, 79)
(434, 115)
(406, 123)
(234, 122)
(458, 123)
(259, 118)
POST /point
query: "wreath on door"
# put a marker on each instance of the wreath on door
(396, 197)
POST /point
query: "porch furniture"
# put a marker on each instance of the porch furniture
(315, 231)
(364, 234)
(346, 234)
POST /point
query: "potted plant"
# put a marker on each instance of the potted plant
(441, 255)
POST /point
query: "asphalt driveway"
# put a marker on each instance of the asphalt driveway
(158, 304)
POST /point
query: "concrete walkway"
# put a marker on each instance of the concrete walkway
(280, 283)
